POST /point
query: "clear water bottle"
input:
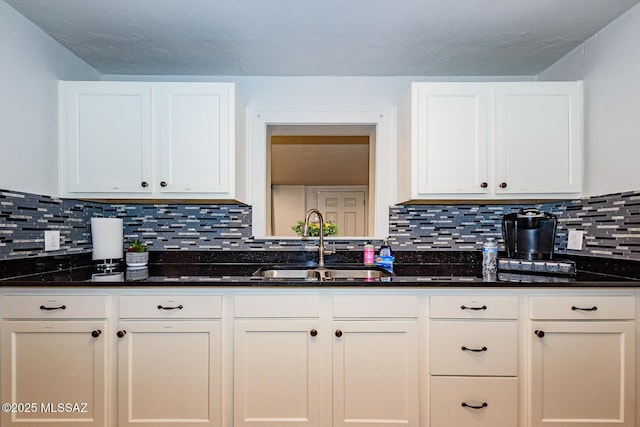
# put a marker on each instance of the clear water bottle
(490, 260)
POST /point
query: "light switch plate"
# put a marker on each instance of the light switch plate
(51, 240)
(574, 240)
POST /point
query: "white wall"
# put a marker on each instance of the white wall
(31, 64)
(609, 64)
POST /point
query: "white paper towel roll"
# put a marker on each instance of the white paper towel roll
(107, 238)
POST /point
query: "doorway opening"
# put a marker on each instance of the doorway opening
(327, 167)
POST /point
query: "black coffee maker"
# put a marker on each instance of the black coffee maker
(529, 234)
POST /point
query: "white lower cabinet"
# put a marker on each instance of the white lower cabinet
(473, 361)
(244, 357)
(375, 373)
(169, 365)
(277, 361)
(54, 361)
(582, 361)
(277, 373)
(293, 368)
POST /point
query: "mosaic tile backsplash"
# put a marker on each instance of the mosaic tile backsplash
(611, 226)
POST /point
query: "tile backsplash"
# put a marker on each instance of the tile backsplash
(611, 225)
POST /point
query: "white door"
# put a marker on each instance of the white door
(582, 374)
(277, 373)
(107, 137)
(193, 127)
(538, 138)
(452, 138)
(169, 373)
(346, 208)
(375, 373)
(49, 364)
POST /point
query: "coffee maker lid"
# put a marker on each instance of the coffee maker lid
(530, 213)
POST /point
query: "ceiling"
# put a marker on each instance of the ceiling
(321, 37)
(320, 160)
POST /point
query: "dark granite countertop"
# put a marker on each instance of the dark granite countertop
(229, 269)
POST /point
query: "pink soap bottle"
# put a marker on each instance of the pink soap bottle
(369, 254)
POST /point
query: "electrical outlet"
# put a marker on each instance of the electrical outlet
(574, 240)
(51, 240)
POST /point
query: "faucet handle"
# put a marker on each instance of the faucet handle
(332, 250)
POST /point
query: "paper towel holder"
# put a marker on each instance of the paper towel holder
(107, 240)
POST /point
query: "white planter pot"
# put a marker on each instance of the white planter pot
(137, 259)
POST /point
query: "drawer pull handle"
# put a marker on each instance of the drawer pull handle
(313, 332)
(574, 308)
(121, 333)
(338, 333)
(62, 307)
(162, 307)
(464, 307)
(466, 405)
(475, 350)
(96, 333)
(539, 334)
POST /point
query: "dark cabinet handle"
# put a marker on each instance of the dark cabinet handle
(121, 333)
(539, 334)
(574, 308)
(313, 332)
(179, 307)
(475, 350)
(503, 185)
(96, 333)
(466, 405)
(62, 307)
(484, 185)
(338, 333)
(163, 184)
(144, 184)
(464, 307)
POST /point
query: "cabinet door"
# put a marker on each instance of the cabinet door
(194, 134)
(169, 373)
(582, 374)
(375, 373)
(106, 137)
(451, 138)
(54, 372)
(277, 373)
(538, 138)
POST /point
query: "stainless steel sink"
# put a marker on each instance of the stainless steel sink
(334, 272)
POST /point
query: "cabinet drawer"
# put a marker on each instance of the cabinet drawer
(473, 307)
(583, 307)
(54, 306)
(490, 402)
(277, 306)
(474, 348)
(170, 306)
(402, 306)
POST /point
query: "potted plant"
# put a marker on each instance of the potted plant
(330, 228)
(137, 254)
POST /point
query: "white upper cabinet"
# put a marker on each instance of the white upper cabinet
(490, 141)
(446, 146)
(133, 140)
(538, 137)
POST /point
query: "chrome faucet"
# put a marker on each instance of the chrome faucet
(305, 233)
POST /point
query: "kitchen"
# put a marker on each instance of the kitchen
(607, 63)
